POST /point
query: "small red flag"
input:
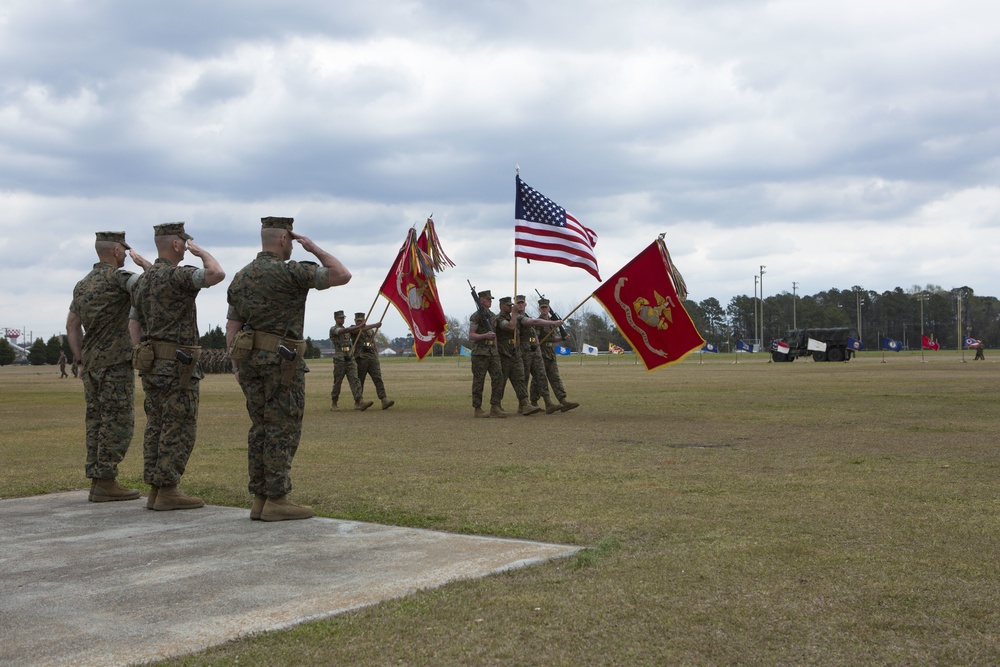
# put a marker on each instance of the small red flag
(929, 344)
(643, 302)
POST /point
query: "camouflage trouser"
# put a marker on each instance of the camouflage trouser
(534, 368)
(110, 395)
(368, 364)
(171, 425)
(481, 365)
(513, 370)
(275, 426)
(552, 374)
(344, 364)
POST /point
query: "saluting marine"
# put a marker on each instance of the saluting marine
(164, 327)
(97, 331)
(264, 330)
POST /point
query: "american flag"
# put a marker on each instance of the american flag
(544, 231)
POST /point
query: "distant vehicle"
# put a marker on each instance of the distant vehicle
(797, 343)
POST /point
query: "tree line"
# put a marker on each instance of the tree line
(899, 314)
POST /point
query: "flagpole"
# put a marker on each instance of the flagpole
(513, 305)
(370, 309)
(565, 317)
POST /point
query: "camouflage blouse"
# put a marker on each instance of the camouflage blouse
(483, 347)
(164, 302)
(270, 294)
(505, 336)
(102, 301)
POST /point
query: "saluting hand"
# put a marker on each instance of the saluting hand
(307, 243)
(139, 260)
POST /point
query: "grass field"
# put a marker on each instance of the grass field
(750, 513)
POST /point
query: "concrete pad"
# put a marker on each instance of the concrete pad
(86, 583)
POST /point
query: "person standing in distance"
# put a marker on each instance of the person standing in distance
(366, 358)
(164, 328)
(97, 332)
(264, 331)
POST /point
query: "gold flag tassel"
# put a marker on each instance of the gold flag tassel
(438, 260)
(679, 285)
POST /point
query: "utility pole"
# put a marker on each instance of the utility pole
(794, 323)
(857, 292)
(762, 272)
(755, 309)
(921, 298)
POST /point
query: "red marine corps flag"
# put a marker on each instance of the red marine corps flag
(411, 288)
(642, 299)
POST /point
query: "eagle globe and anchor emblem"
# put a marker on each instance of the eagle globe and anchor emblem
(659, 316)
(418, 295)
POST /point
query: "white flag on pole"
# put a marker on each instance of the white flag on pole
(589, 349)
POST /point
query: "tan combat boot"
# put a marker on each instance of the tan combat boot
(525, 409)
(333, 405)
(480, 413)
(363, 405)
(169, 498)
(257, 507)
(386, 403)
(151, 498)
(497, 411)
(550, 407)
(104, 490)
(567, 405)
(282, 509)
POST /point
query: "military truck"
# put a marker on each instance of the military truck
(797, 340)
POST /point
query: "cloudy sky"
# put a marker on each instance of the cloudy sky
(838, 144)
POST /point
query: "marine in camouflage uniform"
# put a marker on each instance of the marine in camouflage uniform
(549, 359)
(510, 357)
(531, 355)
(165, 317)
(267, 303)
(97, 331)
(344, 364)
(366, 358)
(486, 359)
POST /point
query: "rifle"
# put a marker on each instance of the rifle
(483, 315)
(553, 316)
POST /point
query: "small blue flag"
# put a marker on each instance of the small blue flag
(855, 344)
(744, 347)
(710, 347)
(563, 350)
(890, 344)
(464, 351)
